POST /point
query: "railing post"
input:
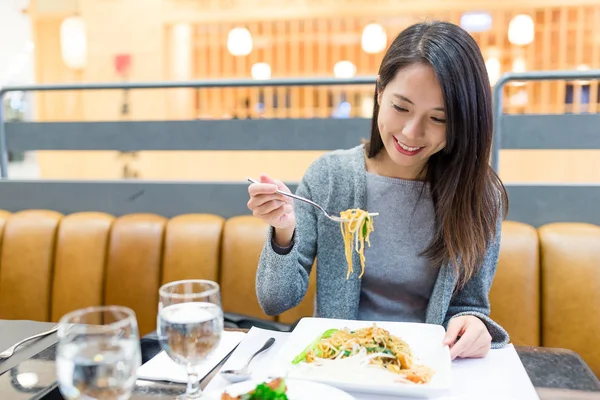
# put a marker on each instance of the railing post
(497, 107)
(3, 146)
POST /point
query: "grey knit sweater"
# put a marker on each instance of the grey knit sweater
(337, 181)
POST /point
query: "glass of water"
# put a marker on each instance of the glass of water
(190, 325)
(98, 353)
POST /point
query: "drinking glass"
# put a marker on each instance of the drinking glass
(190, 325)
(98, 353)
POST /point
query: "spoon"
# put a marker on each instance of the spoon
(11, 350)
(242, 374)
(312, 203)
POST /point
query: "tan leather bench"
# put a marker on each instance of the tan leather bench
(546, 291)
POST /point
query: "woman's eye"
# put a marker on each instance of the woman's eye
(398, 108)
(438, 120)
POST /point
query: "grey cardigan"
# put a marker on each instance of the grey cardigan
(337, 181)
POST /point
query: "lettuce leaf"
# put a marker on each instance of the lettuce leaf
(302, 356)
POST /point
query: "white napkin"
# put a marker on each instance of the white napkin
(162, 368)
(500, 375)
(254, 340)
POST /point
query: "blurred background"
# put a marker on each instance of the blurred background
(89, 41)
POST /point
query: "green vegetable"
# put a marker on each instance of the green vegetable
(379, 350)
(347, 353)
(364, 227)
(302, 356)
(264, 392)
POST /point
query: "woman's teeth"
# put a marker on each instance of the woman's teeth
(408, 148)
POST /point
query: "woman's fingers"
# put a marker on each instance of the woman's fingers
(267, 207)
(475, 340)
(256, 189)
(464, 343)
(258, 201)
(271, 207)
(279, 184)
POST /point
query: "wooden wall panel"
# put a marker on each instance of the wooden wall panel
(565, 38)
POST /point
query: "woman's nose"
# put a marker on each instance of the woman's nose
(412, 129)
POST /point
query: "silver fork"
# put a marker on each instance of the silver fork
(11, 350)
(312, 203)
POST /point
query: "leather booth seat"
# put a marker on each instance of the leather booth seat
(546, 291)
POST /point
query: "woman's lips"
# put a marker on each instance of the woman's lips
(406, 150)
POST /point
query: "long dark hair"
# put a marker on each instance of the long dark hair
(468, 196)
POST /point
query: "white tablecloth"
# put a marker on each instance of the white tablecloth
(500, 375)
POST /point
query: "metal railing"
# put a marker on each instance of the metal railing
(499, 116)
(526, 76)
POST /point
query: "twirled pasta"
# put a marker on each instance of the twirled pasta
(356, 230)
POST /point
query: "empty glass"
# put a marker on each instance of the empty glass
(98, 353)
(190, 324)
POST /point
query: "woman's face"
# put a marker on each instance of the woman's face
(411, 120)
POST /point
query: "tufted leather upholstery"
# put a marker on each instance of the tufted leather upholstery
(80, 258)
(515, 293)
(546, 290)
(570, 255)
(26, 265)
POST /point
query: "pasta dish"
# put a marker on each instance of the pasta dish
(356, 229)
(373, 346)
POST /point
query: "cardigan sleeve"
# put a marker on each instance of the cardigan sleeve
(283, 273)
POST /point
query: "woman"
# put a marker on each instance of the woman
(425, 170)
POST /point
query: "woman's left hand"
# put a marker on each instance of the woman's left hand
(475, 340)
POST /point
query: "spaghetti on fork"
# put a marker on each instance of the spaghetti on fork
(356, 229)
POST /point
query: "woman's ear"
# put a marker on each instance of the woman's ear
(379, 91)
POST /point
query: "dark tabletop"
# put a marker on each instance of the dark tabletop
(556, 373)
(557, 368)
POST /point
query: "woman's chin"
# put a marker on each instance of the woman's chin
(405, 161)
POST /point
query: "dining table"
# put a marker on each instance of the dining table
(555, 373)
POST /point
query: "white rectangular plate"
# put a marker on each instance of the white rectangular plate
(425, 341)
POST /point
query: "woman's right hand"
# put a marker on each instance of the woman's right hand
(275, 209)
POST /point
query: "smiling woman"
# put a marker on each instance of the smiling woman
(425, 170)
(432, 116)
